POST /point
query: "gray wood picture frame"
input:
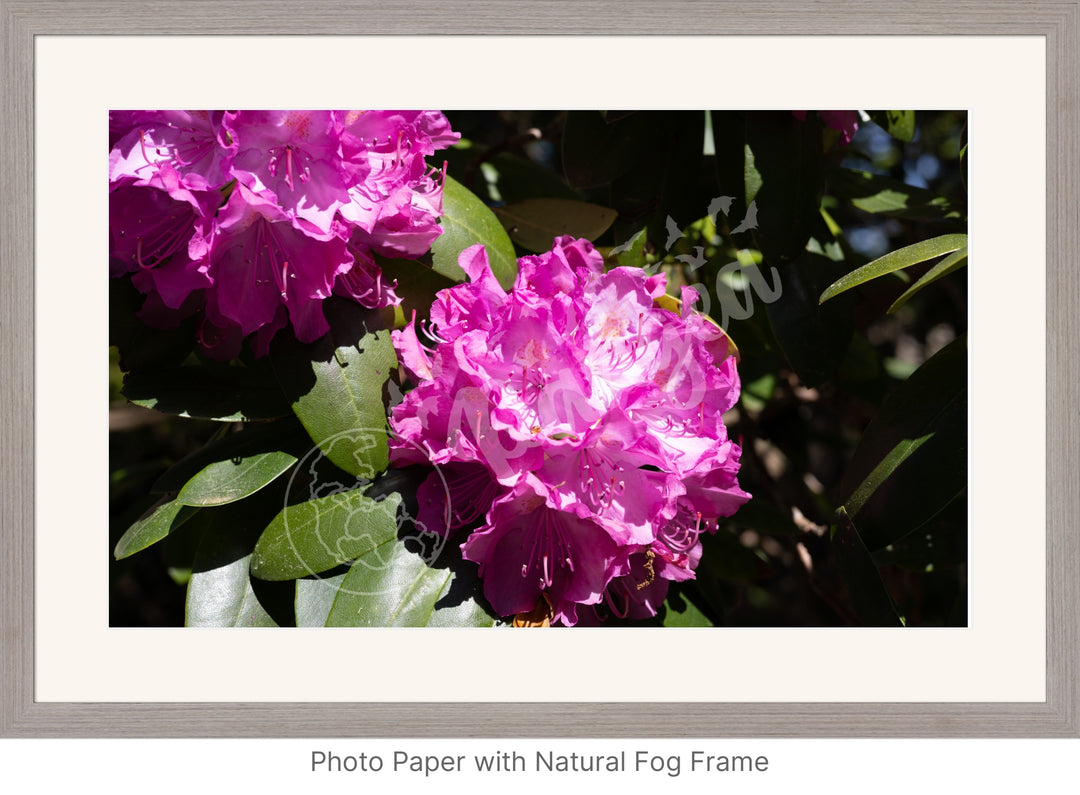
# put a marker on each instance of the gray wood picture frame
(22, 716)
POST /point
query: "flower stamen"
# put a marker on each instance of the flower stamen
(650, 572)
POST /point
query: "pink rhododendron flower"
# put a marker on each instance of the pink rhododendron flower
(254, 218)
(846, 121)
(293, 158)
(529, 551)
(190, 143)
(578, 431)
(394, 207)
(260, 261)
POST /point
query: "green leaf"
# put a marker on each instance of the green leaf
(466, 221)
(681, 612)
(162, 519)
(224, 597)
(315, 536)
(229, 481)
(874, 193)
(751, 179)
(336, 386)
(417, 285)
(314, 598)
(869, 597)
(535, 223)
(664, 184)
(896, 260)
(903, 450)
(179, 547)
(630, 254)
(226, 394)
(221, 592)
(595, 152)
(935, 547)
(784, 181)
(252, 439)
(505, 177)
(651, 161)
(911, 461)
(814, 338)
(953, 262)
(519, 178)
(900, 124)
(392, 586)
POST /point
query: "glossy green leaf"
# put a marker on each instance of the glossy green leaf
(903, 450)
(629, 254)
(392, 586)
(535, 223)
(813, 338)
(226, 394)
(417, 285)
(784, 183)
(708, 597)
(251, 439)
(681, 612)
(314, 598)
(228, 481)
(466, 221)
(315, 536)
(519, 178)
(900, 124)
(895, 260)
(915, 445)
(162, 519)
(224, 597)
(878, 194)
(870, 599)
(505, 176)
(221, 592)
(337, 387)
(752, 182)
(953, 262)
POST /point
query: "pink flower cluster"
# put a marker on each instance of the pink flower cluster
(578, 425)
(253, 218)
(845, 121)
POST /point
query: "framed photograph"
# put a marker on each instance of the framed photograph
(703, 389)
